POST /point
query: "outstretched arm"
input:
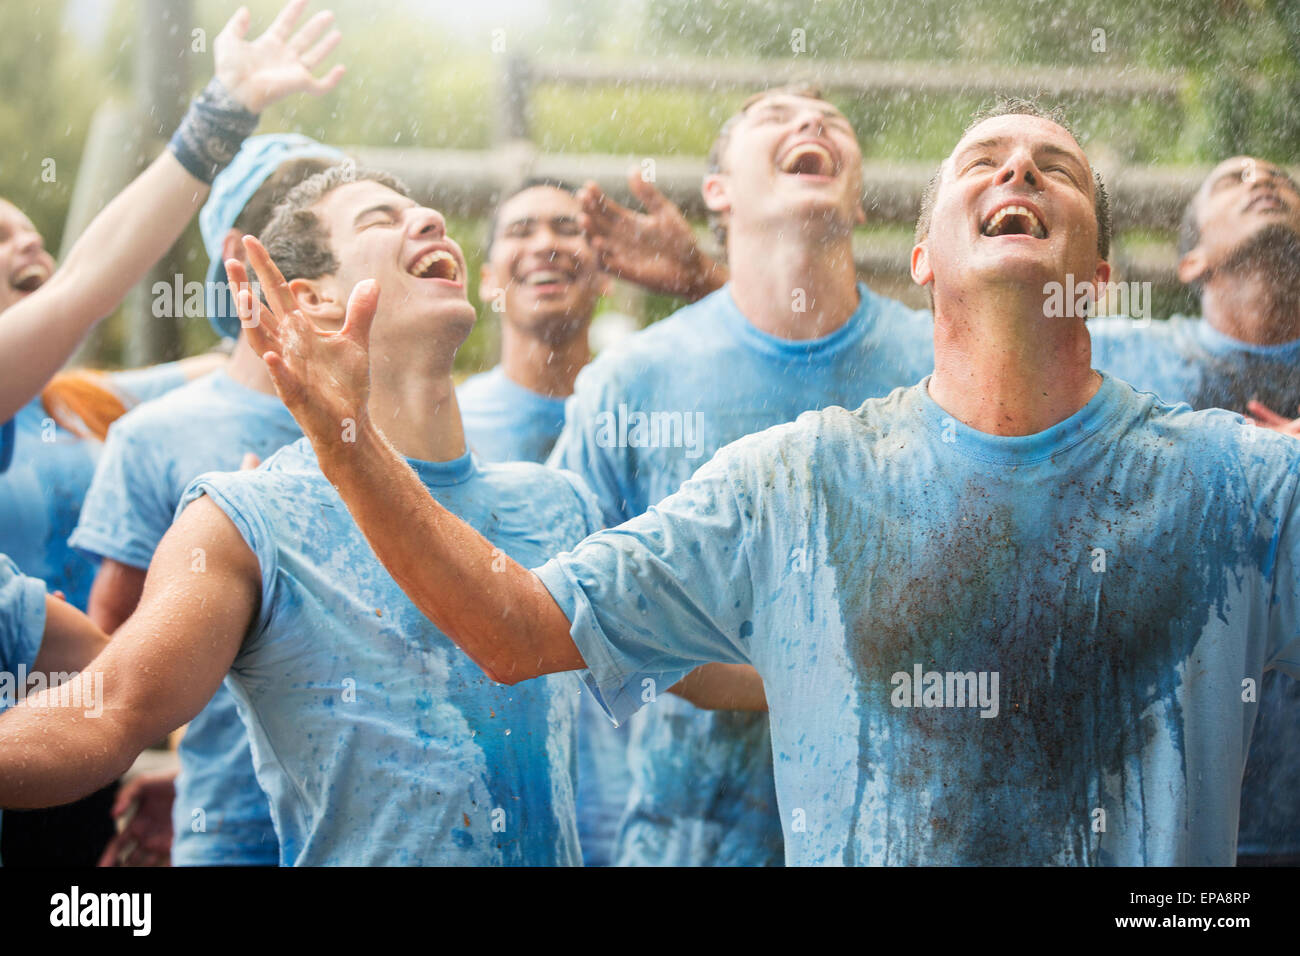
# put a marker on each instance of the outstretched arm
(134, 230)
(655, 249)
(159, 670)
(723, 687)
(502, 617)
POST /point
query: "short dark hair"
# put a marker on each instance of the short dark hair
(296, 238)
(1017, 106)
(532, 182)
(723, 140)
(257, 212)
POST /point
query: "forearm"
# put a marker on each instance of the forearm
(495, 609)
(65, 742)
(119, 246)
(71, 639)
(709, 276)
(723, 687)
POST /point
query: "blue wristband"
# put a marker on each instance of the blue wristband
(214, 128)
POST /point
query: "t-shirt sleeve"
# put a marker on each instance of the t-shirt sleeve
(579, 448)
(128, 507)
(234, 494)
(22, 617)
(652, 598)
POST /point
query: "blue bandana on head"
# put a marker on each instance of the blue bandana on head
(256, 160)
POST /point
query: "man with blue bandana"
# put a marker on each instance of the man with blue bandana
(220, 815)
(1010, 615)
(1240, 251)
(793, 330)
(376, 740)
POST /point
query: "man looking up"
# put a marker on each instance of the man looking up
(793, 330)
(1239, 248)
(220, 816)
(133, 231)
(375, 740)
(1024, 585)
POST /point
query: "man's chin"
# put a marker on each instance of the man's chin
(1275, 248)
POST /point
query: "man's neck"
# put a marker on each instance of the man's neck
(543, 367)
(1253, 306)
(794, 284)
(1006, 370)
(247, 368)
(416, 408)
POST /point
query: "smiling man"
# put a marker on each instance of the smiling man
(375, 739)
(1114, 570)
(793, 330)
(1239, 250)
(541, 276)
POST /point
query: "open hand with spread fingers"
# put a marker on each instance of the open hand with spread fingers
(322, 377)
(281, 61)
(656, 249)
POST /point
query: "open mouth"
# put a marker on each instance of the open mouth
(438, 264)
(1014, 221)
(540, 278)
(1266, 202)
(30, 278)
(809, 159)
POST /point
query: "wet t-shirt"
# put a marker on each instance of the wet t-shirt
(377, 740)
(644, 416)
(977, 649)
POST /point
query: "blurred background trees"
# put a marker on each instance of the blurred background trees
(422, 73)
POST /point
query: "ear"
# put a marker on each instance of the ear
(319, 301)
(1101, 278)
(1192, 266)
(714, 190)
(922, 274)
(232, 246)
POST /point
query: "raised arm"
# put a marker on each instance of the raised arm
(655, 249)
(495, 609)
(159, 670)
(134, 230)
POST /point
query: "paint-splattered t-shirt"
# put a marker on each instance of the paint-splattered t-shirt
(977, 649)
(644, 416)
(1188, 360)
(220, 815)
(507, 422)
(377, 740)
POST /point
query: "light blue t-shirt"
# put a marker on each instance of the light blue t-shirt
(644, 416)
(977, 649)
(6, 444)
(378, 741)
(505, 421)
(42, 492)
(22, 618)
(220, 815)
(1188, 360)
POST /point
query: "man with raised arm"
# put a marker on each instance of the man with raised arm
(1010, 615)
(374, 738)
(133, 231)
(792, 330)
